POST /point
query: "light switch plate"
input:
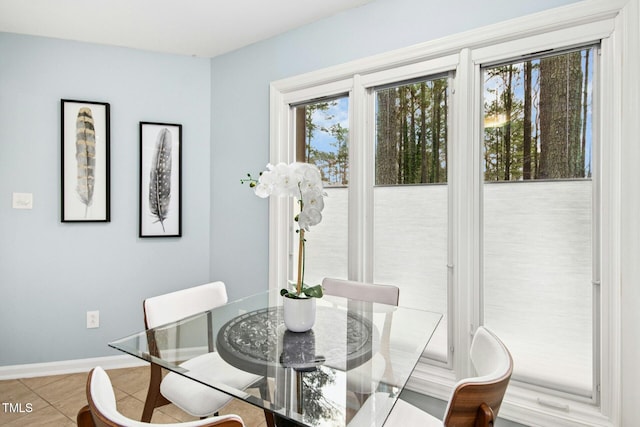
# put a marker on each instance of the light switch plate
(22, 201)
(93, 319)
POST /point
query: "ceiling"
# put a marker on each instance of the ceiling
(203, 28)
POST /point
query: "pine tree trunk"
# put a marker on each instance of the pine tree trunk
(508, 105)
(526, 143)
(423, 132)
(585, 99)
(560, 112)
(402, 153)
(386, 148)
(435, 132)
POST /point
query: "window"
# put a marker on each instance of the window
(321, 134)
(451, 143)
(538, 254)
(410, 236)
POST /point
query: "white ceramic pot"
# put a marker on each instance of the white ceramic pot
(299, 313)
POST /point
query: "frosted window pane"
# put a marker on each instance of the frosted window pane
(410, 250)
(537, 270)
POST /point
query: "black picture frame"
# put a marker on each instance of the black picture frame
(160, 180)
(85, 161)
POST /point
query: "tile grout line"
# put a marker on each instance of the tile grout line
(49, 404)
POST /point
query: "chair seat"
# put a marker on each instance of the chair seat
(200, 400)
(405, 414)
(102, 407)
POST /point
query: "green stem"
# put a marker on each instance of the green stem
(301, 249)
(300, 263)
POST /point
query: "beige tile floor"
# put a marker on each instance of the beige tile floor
(55, 400)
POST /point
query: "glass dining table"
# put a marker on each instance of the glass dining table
(347, 370)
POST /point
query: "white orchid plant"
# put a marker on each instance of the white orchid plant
(304, 182)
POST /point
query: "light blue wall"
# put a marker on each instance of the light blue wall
(240, 105)
(52, 273)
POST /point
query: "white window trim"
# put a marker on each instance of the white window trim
(611, 20)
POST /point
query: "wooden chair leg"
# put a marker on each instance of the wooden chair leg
(269, 418)
(361, 397)
(154, 398)
(263, 386)
(484, 416)
(84, 417)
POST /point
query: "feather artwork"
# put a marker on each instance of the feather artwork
(85, 156)
(160, 182)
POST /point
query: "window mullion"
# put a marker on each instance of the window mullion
(360, 187)
(609, 198)
(463, 309)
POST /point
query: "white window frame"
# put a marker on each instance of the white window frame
(366, 85)
(577, 24)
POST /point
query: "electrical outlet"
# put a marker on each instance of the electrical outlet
(93, 319)
(22, 201)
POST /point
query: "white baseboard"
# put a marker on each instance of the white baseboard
(68, 366)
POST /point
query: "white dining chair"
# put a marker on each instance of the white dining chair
(192, 397)
(102, 410)
(384, 294)
(475, 401)
(364, 379)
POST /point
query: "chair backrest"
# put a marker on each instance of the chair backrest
(481, 396)
(104, 413)
(384, 294)
(176, 305)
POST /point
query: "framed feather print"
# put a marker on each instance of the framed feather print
(160, 180)
(85, 188)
